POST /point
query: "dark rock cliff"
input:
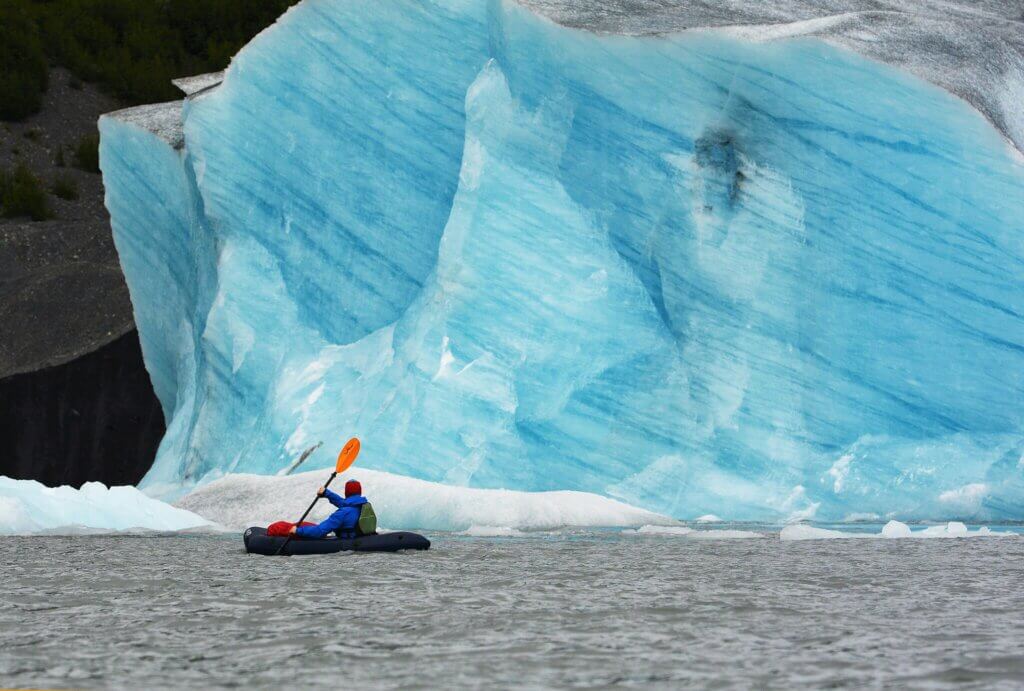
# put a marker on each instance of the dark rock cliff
(93, 418)
(76, 403)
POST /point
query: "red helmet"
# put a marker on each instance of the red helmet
(353, 487)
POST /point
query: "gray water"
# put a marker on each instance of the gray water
(595, 609)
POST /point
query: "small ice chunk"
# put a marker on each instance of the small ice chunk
(683, 531)
(951, 529)
(663, 530)
(491, 531)
(891, 530)
(802, 531)
(896, 529)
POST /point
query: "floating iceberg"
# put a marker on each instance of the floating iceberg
(892, 530)
(27, 506)
(239, 501)
(693, 534)
(736, 271)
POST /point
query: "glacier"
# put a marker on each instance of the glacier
(764, 271)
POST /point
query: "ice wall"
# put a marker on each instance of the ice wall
(699, 272)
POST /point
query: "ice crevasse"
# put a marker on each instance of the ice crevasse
(719, 271)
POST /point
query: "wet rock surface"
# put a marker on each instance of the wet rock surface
(93, 418)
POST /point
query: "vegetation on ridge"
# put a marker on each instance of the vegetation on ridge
(131, 48)
(22, 194)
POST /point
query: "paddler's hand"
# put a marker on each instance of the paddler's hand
(292, 531)
(320, 492)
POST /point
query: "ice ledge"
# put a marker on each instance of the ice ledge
(164, 119)
(160, 119)
(199, 83)
(239, 501)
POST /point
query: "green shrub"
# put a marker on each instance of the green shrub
(23, 195)
(87, 153)
(23, 66)
(65, 187)
(32, 135)
(59, 160)
(130, 48)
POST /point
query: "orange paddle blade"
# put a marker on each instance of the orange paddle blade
(348, 455)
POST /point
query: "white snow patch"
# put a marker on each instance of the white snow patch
(473, 158)
(709, 518)
(966, 497)
(780, 31)
(891, 530)
(445, 364)
(839, 470)
(243, 339)
(796, 497)
(239, 501)
(860, 517)
(28, 507)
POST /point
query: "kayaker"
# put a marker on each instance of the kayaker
(353, 518)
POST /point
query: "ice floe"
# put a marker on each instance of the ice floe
(238, 501)
(28, 507)
(891, 530)
(703, 534)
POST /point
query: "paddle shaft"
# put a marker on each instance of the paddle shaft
(289, 538)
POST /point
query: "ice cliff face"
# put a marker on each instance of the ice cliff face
(739, 271)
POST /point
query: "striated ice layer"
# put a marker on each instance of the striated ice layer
(754, 275)
(28, 507)
(240, 501)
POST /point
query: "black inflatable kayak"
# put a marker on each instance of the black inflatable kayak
(258, 542)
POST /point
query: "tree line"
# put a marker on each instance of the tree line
(130, 48)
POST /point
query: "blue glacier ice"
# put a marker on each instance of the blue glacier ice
(742, 269)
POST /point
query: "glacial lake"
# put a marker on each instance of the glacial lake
(565, 609)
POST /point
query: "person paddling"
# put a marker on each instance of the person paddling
(353, 518)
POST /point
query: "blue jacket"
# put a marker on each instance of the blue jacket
(343, 521)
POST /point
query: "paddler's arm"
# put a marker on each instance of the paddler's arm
(322, 530)
(332, 497)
